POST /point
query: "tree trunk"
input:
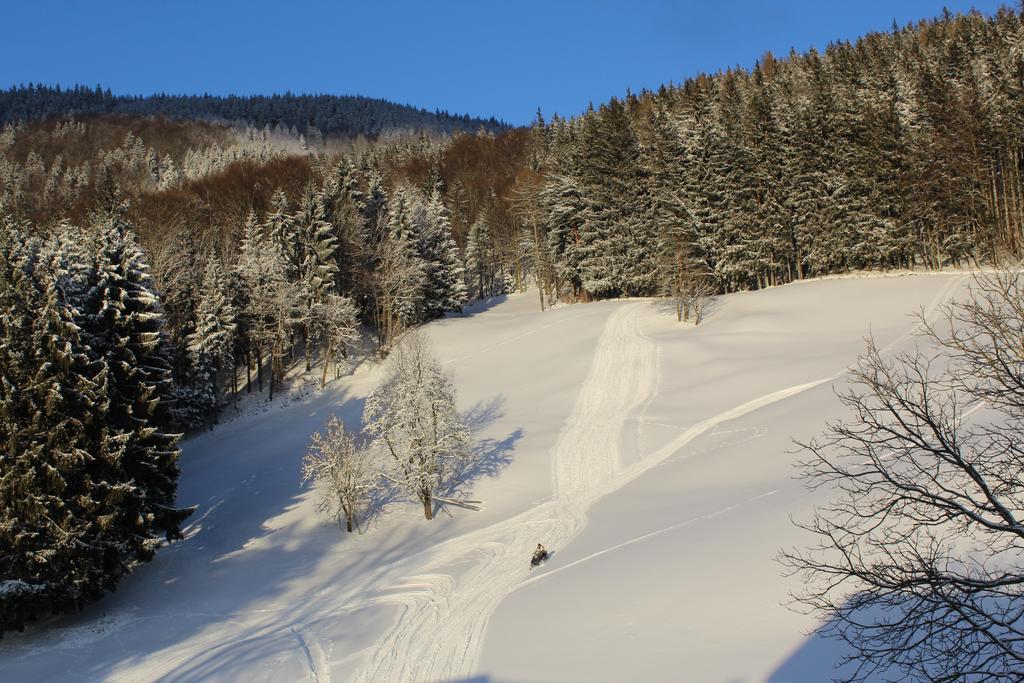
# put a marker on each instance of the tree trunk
(259, 368)
(273, 371)
(327, 361)
(537, 262)
(428, 504)
(305, 346)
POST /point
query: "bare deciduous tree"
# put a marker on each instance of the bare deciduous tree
(693, 293)
(919, 565)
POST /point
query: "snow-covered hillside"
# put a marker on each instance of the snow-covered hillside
(654, 459)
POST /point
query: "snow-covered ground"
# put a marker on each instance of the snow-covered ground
(654, 459)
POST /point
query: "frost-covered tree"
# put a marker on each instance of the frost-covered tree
(444, 279)
(210, 345)
(281, 230)
(343, 469)
(400, 276)
(252, 236)
(340, 321)
(273, 306)
(414, 419)
(480, 269)
(319, 267)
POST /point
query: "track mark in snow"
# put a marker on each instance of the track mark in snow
(439, 634)
(652, 534)
(316, 659)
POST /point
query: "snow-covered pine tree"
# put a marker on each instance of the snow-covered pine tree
(414, 419)
(347, 182)
(245, 345)
(374, 206)
(210, 345)
(563, 202)
(279, 227)
(706, 176)
(319, 269)
(122, 323)
(479, 259)
(672, 218)
(84, 492)
(22, 497)
(400, 274)
(54, 551)
(346, 212)
(445, 286)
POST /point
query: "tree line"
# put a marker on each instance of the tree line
(900, 150)
(312, 115)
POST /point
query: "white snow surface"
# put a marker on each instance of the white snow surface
(654, 459)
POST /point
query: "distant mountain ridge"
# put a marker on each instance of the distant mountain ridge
(331, 115)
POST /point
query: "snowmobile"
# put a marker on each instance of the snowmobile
(539, 556)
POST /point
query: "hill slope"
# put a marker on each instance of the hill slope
(651, 457)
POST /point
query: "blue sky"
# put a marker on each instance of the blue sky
(484, 58)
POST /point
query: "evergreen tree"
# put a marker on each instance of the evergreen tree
(479, 268)
(272, 302)
(281, 229)
(319, 268)
(445, 286)
(210, 345)
(252, 236)
(87, 478)
(401, 274)
(122, 324)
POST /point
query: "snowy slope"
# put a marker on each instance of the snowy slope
(652, 457)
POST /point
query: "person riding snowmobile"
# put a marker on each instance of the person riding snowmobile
(539, 555)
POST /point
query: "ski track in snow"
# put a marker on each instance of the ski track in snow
(440, 631)
(439, 634)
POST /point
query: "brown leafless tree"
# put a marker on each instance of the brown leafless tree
(693, 292)
(919, 564)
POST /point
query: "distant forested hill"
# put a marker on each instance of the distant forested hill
(331, 115)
